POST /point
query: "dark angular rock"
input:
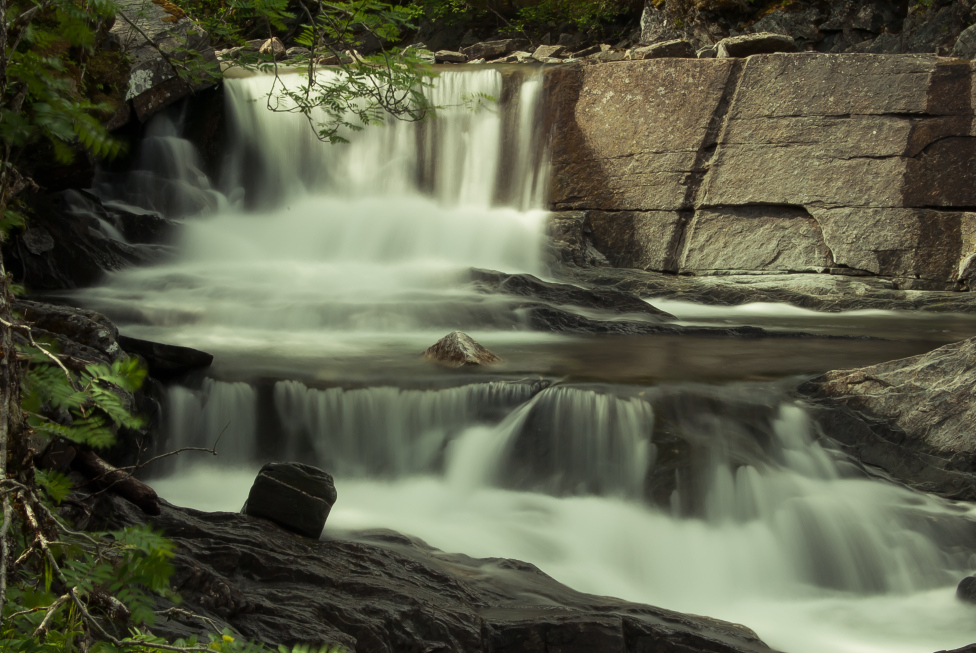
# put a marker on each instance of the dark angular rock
(296, 496)
(458, 349)
(85, 335)
(750, 44)
(166, 360)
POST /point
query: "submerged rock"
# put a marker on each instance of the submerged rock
(382, 591)
(295, 496)
(912, 417)
(459, 349)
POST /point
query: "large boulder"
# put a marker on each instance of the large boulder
(494, 49)
(458, 349)
(170, 55)
(912, 417)
(295, 496)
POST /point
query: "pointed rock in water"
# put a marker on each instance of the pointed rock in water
(458, 349)
(296, 496)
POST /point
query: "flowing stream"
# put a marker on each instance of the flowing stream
(666, 470)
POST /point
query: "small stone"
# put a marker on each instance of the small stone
(297, 51)
(458, 349)
(750, 44)
(677, 49)
(706, 52)
(447, 56)
(608, 56)
(585, 52)
(295, 496)
(548, 51)
(478, 61)
(274, 47)
(550, 60)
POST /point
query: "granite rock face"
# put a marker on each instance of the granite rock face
(853, 164)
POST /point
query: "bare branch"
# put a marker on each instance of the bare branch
(41, 632)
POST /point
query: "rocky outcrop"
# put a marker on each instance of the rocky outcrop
(458, 349)
(171, 56)
(297, 497)
(166, 360)
(912, 417)
(848, 164)
(379, 591)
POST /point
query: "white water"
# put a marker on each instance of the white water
(317, 252)
(794, 545)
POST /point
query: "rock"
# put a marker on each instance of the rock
(887, 145)
(458, 349)
(765, 238)
(607, 56)
(707, 53)
(966, 590)
(395, 593)
(678, 48)
(585, 52)
(639, 153)
(333, 60)
(446, 56)
(967, 270)
(549, 60)
(166, 360)
(569, 41)
(420, 51)
(295, 496)
(153, 83)
(801, 26)
(273, 47)
(646, 240)
(85, 335)
(965, 47)
(494, 49)
(72, 239)
(477, 61)
(750, 44)
(837, 291)
(297, 52)
(548, 51)
(911, 417)
(564, 295)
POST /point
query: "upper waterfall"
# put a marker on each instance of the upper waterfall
(314, 246)
(483, 148)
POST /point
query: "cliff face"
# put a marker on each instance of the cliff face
(852, 164)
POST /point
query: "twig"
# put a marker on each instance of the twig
(82, 609)
(186, 613)
(41, 632)
(30, 336)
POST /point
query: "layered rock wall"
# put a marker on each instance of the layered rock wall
(851, 164)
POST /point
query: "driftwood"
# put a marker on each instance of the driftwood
(117, 481)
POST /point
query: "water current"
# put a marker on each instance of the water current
(666, 470)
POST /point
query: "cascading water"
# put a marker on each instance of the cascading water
(320, 272)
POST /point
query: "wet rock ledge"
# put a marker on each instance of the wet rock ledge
(913, 418)
(381, 592)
